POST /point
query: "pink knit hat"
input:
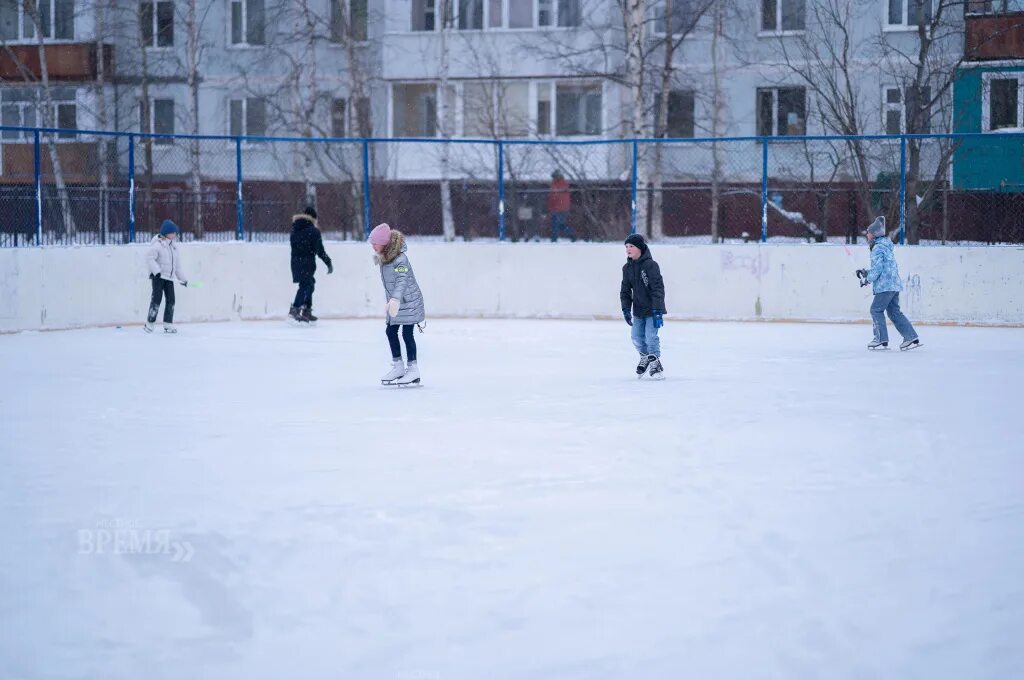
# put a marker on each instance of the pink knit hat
(380, 235)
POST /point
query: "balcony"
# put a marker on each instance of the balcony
(65, 62)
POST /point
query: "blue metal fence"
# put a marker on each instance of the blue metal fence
(402, 171)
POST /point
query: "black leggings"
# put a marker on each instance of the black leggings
(407, 336)
(304, 296)
(162, 287)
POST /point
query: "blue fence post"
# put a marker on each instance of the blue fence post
(239, 204)
(366, 189)
(764, 190)
(903, 187)
(131, 188)
(501, 191)
(633, 190)
(39, 191)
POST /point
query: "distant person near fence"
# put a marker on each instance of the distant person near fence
(559, 202)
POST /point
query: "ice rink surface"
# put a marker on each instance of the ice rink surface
(244, 500)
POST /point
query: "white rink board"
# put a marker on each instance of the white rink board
(54, 288)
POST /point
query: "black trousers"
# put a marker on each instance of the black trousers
(407, 336)
(304, 296)
(162, 287)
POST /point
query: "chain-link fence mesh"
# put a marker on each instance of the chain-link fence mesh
(829, 190)
(960, 189)
(701, 192)
(421, 188)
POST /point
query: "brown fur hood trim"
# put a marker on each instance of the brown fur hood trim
(303, 217)
(393, 249)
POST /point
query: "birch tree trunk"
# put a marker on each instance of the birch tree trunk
(100, 17)
(633, 15)
(193, 49)
(447, 221)
(48, 121)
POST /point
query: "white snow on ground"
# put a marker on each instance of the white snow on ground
(785, 505)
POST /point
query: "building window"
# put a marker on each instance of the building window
(570, 14)
(424, 15)
(22, 107)
(781, 111)
(364, 117)
(680, 123)
(477, 15)
(18, 109)
(994, 6)
(908, 13)
(893, 111)
(19, 19)
(684, 17)
(496, 109)
(545, 109)
(563, 13)
(578, 109)
(783, 15)
(157, 118)
(1003, 101)
(248, 22)
(349, 20)
(919, 110)
(248, 117)
(359, 18)
(339, 119)
(471, 15)
(156, 21)
(415, 113)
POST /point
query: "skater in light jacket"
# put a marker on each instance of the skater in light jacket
(643, 305)
(404, 302)
(884, 277)
(164, 263)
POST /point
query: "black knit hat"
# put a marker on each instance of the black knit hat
(311, 211)
(638, 241)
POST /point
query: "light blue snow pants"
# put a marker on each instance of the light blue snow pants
(890, 302)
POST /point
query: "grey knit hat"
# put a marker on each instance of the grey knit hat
(877, 228)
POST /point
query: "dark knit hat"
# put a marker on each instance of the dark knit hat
(638, 241)
(168, 227)
(310, 210)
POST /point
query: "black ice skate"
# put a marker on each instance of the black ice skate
(306, 314)
(293, 312)
(656, 370)
(910, 344)
(641, 367)
(877, 345)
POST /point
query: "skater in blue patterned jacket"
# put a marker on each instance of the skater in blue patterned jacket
(884, 277)
(643, 305)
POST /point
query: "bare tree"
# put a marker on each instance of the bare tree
(443, 116)
(679, 22)
(927, 70)
(35, 12)
(193, 20)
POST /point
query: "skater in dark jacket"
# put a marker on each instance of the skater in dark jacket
(307, 245)
(643, 304)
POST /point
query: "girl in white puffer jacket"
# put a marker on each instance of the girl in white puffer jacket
(164, 262)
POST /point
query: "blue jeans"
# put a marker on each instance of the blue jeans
(645, 336)
(890, 302)
(560, 223)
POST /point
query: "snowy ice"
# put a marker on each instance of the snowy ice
(244, 500)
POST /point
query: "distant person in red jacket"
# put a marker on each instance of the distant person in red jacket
(558, 206)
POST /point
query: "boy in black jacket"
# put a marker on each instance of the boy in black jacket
(643, 305)
(307, 244)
